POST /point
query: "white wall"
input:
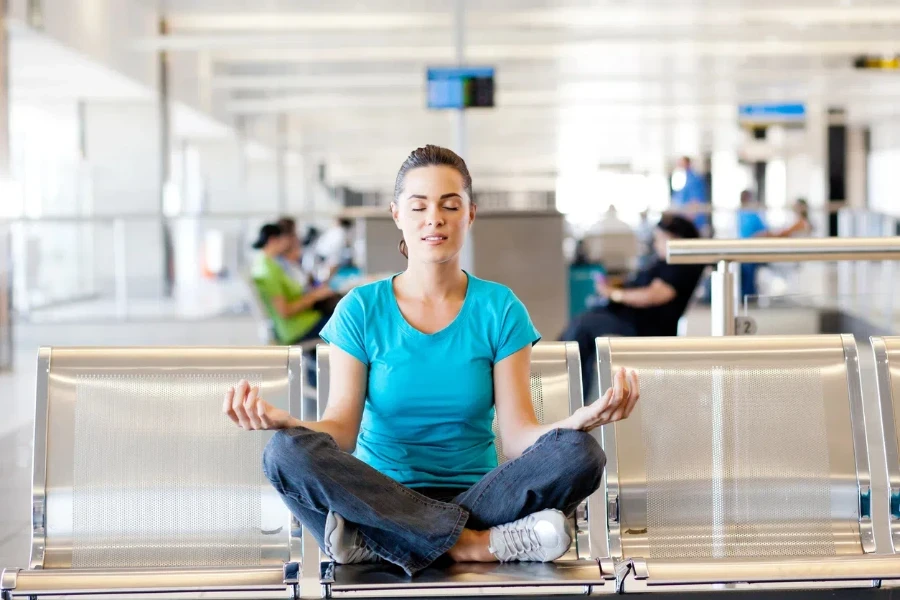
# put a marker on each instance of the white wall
(884, 168)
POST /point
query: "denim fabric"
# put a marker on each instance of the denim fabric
(410, 529)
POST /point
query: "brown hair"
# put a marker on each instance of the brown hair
(430, 156)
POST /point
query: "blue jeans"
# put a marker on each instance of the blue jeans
(410, 529)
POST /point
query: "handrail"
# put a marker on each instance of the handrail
(692, 252)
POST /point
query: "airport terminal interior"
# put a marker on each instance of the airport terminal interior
(705, 193)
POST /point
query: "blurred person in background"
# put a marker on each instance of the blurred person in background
(290, 306)
(692, 198)
(650, 304)
(752, 225)
(332, 249)
(644, 233)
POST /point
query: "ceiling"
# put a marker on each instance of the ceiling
(579, 84)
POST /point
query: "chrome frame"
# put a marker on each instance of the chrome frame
(296, 403)
(860, 446)
(883, 382)
(39, 469)
(323, 372)
(611, 477)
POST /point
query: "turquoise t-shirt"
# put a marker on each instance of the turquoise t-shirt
(430, 401)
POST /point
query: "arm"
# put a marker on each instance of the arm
(656, 294)
(305, 302)
(519, 427)
(342, 417)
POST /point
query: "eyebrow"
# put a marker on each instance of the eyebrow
(444, 197)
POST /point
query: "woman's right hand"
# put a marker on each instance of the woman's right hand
(248, 411)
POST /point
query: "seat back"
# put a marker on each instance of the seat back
(136, 466)
(555, 384)
(260, 312)
(887, 370)
(738, 447)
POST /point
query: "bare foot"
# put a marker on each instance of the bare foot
(472, 546)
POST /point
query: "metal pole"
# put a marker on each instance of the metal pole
(722, 300)
(165, 154)
(120, 268)
(281, 161)
(460, 137)
(459, 30)
(6, 332)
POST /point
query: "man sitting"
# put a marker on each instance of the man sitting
(650, 304)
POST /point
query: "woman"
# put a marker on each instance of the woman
(418, 363)
(294, 311)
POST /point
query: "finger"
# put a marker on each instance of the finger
(602, 403)
(250, 408)
(237, 404)
(263, 415)
(634, 395)
(619, 386)
(226, 405)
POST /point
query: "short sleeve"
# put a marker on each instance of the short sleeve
(346, 328)
(516, 329)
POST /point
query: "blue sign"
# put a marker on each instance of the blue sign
(772, 112)
(460, 87)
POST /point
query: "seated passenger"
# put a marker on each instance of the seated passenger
(752, 225)
(650, 304)
(291, 309)
(419, 362)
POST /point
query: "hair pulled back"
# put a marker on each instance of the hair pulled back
(430, 156)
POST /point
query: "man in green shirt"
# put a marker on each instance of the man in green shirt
(291, 308)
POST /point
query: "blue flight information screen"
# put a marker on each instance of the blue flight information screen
(460, 87)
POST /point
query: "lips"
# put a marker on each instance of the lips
(434, 239)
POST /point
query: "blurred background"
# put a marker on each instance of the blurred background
(144, 142)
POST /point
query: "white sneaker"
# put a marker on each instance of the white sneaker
(344, 544)
(540, 537)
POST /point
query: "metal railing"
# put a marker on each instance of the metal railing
(727, 255)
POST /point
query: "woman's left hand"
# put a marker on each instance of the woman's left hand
(615, 405)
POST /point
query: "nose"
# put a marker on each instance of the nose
(434, 218)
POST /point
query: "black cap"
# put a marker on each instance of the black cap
(266, 233)
(678, 226)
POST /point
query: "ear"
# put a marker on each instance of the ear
(473, 208)
(395, 214)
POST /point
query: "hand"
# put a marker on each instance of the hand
(602, 288)
(323, 292)
(615, 405)
(248, 411)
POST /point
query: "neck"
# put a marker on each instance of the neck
(433, 281)
(270, 252)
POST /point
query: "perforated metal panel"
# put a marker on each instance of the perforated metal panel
(158, 480)
(739, 447)
(144, 469)
(537, 401)
(752, 479)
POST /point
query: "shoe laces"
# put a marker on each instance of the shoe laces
(520, 536)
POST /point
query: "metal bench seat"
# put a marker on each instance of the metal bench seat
(744, 460)
(555, 392)
(142, 484)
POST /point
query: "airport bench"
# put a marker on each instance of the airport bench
(744, 465)
(555, 392)
(142, 484)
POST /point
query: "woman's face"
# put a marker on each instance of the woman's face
(434, 213)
